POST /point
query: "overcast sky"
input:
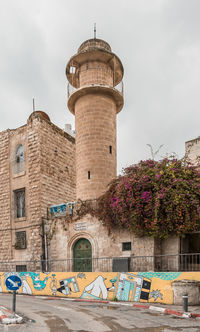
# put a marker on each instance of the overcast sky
(158, 42)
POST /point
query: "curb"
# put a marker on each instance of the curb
(4, 319)
(165, 311)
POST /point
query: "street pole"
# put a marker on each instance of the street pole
(14, 303)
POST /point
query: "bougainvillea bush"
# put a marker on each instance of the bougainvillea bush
(154, 198)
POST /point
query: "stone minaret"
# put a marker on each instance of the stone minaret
(94, 74)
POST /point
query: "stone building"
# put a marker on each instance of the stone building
(37, 169)
(46, 173)
(95, 96)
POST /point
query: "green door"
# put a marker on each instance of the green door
(82, 256)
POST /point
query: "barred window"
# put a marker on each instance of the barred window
(21, 268)
(19, 203)
(20, 240)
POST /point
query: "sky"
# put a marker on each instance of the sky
(158, 42)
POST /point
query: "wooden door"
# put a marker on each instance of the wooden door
(82, 256)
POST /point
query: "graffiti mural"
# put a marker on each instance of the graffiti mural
(124, 286)
(155, 294)
(96, 289)
(68, 286)
(132, 287)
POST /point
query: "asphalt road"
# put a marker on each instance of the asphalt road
(47, 315)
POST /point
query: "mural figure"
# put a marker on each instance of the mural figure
(81, 275)
(53, 284)
(132, 287)
(96, 289)
(69, 285)
(26, 289)
(38, 284)
(113, 281)
(155, 294)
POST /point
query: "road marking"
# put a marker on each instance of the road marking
(63, 308)
(156, 309)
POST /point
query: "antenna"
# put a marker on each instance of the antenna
(33, 105)
(95, 31)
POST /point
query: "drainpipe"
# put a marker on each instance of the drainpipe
(44, 247)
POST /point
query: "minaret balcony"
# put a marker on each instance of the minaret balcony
(116, 92)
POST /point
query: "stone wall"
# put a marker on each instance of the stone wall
(47, 175)
(104, 244)
(95, 136)
(5, 225)
(57, 166)
(192, 149)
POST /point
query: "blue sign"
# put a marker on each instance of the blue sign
(13, 282)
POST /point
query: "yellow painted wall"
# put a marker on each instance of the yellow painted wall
(129, 286)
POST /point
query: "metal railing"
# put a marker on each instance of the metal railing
(181, 262)
(71, 89)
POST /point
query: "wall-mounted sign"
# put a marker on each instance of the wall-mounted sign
(80, 226)
(58, 210)
(62, 210)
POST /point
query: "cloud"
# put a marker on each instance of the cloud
(157, 41)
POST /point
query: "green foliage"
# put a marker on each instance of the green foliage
(115, 299)
(153, 198)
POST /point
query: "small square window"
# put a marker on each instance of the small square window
(20, 240)
(126, 246)
(21, 268)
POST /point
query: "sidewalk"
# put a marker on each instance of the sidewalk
(6, 316)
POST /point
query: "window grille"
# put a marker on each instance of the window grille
(21, 268)
(20, 240)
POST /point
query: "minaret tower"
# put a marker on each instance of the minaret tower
(95, 96)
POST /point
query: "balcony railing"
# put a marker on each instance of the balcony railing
(172, 263)
(119, 88)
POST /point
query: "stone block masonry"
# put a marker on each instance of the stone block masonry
(5, 224)
(47, 178)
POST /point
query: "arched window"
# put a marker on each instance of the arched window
(20, 154)
(19, 159)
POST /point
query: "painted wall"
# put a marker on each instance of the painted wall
(132, 286)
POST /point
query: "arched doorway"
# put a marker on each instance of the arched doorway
(82, 254)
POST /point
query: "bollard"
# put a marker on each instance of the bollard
(185, 302)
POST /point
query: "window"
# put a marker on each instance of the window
(19, 159)
(20, 240)
(110, 149)
(19, 203)
(88, 175)
(126, 246)
(72, 70)
(21, 268)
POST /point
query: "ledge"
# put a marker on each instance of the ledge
(19, 174)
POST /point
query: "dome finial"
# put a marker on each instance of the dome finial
(95, 31)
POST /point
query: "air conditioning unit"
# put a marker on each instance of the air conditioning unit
(121, 264)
